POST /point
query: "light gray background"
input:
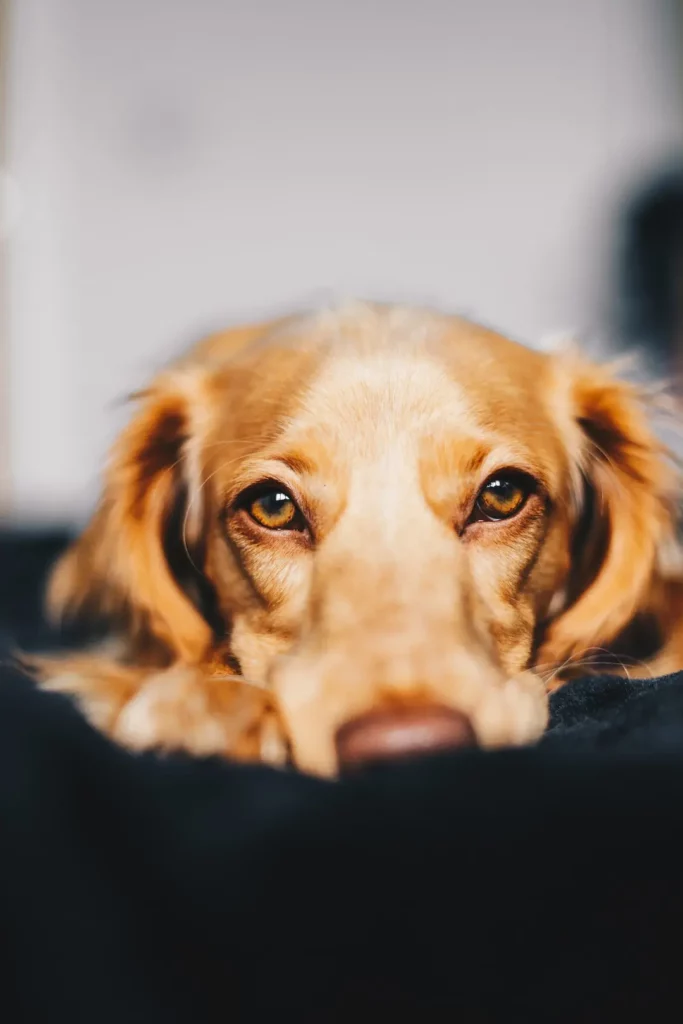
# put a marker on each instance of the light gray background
(176, 165)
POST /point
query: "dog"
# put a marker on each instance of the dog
(369, 532)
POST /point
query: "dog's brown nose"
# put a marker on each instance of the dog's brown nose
(400, 733)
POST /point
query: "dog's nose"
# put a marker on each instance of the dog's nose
(401, 733)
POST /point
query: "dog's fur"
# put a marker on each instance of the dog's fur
(383, 424)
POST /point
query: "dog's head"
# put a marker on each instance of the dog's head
(378, 507)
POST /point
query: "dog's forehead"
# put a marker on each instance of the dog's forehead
(411, 369)
(350, 385)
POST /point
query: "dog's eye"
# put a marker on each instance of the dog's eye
(275, 510)
(502, 497)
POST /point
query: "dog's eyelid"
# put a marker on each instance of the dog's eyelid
(518, 474)
(268, 472)
(246, 494)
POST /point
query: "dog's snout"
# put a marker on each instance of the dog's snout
(401, 733)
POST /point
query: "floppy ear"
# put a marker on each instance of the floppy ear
(630, 492)
(131, 565)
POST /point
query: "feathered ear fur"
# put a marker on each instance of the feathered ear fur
(132, 562)
(630, 491)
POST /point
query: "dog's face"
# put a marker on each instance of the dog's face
(380, 508)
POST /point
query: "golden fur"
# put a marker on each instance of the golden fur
(382, 423)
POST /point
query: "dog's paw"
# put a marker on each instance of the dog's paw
(512, 714)
(182, 709)
(100, 686)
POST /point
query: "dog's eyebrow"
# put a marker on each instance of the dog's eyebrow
(502, 453)
(460, 459)
(476, 459)
(268, 467)
(296, 462)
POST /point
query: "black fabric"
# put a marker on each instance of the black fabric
(648, 268)
(535, 884)
(25, 559)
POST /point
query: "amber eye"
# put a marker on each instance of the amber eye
(502, 497)
(275, 510)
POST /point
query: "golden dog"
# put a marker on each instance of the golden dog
(366, 533)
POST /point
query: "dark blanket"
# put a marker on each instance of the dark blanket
(536, 884)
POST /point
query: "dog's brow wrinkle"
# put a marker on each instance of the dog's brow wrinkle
(297, 463)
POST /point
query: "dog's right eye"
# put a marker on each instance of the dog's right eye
(275, 509)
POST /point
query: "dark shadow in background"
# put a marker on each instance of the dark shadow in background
(649, 273)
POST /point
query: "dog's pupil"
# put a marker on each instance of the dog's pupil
(504, 494)
(274, 502)
(275, 505)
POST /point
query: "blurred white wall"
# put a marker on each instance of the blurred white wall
(178, 165)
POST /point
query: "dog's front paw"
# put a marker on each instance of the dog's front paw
(514, 713)
(182, 709)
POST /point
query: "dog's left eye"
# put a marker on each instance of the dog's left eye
(502, 497)
(276, 510)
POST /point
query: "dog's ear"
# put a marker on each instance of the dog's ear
(132, 562)
(630, 489)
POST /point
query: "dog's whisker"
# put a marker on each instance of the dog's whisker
(611, 660)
